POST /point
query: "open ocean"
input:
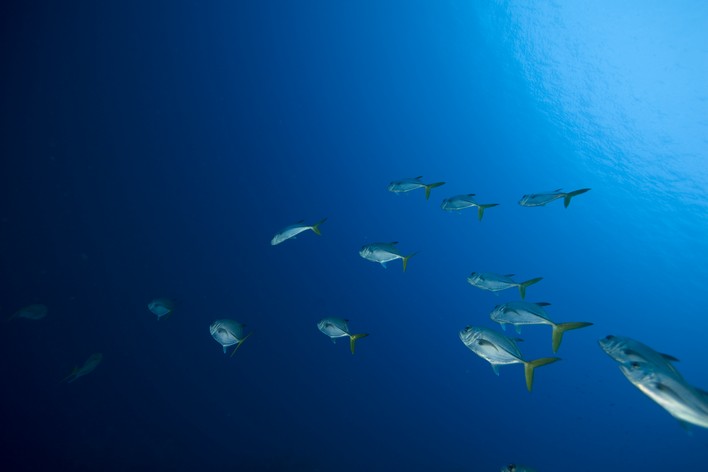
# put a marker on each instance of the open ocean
(153, 149)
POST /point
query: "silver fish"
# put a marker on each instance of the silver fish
(525, 313)
(31, 312)
(162, 307)
(88, 367)
(460, 202)
(406, 185)
(498, 350)
(384, 253)
(228, 333)
(495, 282)
(654, 374)
(291, 231)
(540, 199)
(339, 328)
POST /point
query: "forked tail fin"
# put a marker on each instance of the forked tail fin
(560, 328)
(405, 260)
(239, 344)
(429, 187)
(531, 365)
(481, 208)
(524, 285)
(568, 196)
(353, 338)
(316, 226)
(68, 378)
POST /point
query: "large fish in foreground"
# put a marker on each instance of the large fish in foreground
(499, 350)
(339, 328)
(384, 253)
(654, 374)
(460, 202)
(291, 231)
(517, 468)
(526, 313)
(89, 365)
(228, 333)
(495, 282)
(541, 199)
(406, 185)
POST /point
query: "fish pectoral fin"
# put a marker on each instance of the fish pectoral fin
(517, 328)
(495, 368)
(484, 342)
(383, 264)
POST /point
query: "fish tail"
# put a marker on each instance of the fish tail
(531, 365)
(560, 328)
(239, 344)
(316, 226)
(68, 378)
(353, 338)
(481, 208)
(524, 285)
(429, 187)
(405, 260)
(568, 196)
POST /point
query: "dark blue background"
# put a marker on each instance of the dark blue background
(152, 149)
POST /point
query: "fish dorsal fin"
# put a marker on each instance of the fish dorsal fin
(542, 304)
(471, 195)
(509, 275)
(518, 340)
(418, 178)
(393, 243)
(669, 357)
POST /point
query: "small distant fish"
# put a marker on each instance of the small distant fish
(460, 202)
(498, 350)
(406, 185)
(526, 313)
(228, 333)
(384, 253)
(291, 231)
(495, 282)
(162, 307)
(654, 374)
(517, 468)
(540, 199)
(31, 312)
(88, 367)
(339, 328)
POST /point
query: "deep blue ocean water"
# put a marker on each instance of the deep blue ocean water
(152, 149)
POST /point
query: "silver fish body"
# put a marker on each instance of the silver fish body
(496, 282)
(89, 366)
(293, 230)
(384, 253)
(499, 350)
(406, 185)
(654, 374)
(461, 202)
(161, 307)
(339, 328)
(541, 199)
(228, 333)
(31, 312)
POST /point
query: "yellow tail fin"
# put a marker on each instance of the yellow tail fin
(239, 344)
(429, 187)
(568, 196)
(481, 208)
(560, 328)
(531, 365)
(353, 338)
(405, 260)
(523, 285)
(316, 227)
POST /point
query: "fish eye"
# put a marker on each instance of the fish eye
(635, 365)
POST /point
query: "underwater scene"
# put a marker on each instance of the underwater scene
(343, 236)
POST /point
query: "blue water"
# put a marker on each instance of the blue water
(152, 149)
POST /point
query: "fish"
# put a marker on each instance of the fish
(541, 199)
(499, 350)
(655, 375)
(339, 328)
(460, 202)
(406, 185)
(89, 365)
(162, 307)
(289, 232)
(384, 253)
(31, 312)
(527, 313)
(228, 333)
(517, 468)
(495, 282)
